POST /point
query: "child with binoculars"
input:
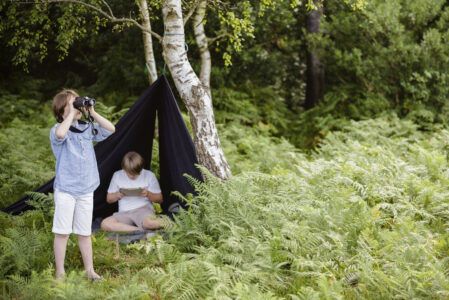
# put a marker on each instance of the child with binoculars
(77, 174)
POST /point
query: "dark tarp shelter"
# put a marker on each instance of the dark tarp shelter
(135, 132)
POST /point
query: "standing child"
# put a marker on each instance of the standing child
(76, 177)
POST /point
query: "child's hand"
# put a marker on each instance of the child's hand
(151, 196)
(145, 193)
(91, 109)
(72, 109)
(119, 195)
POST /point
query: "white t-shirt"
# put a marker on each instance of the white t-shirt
(146, 179)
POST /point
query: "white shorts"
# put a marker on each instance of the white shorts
(73, 214)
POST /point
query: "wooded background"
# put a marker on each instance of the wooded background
(332, 117)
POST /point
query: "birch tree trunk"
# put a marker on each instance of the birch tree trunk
(201, 40)
(147, 40)
(192, 92)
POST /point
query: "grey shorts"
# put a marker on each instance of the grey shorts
(134, 216)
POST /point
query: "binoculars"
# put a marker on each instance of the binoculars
(83, 102)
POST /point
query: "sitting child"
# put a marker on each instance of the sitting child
(135, 212)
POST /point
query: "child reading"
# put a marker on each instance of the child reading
(136, 211)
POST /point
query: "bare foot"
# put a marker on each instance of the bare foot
(93, 276)
(60, 277)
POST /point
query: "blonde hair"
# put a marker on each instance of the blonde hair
(132, 163)
(60, 101)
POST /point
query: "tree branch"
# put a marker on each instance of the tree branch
(109, 8)
(218, 37)
(191, 11)
(109, 15)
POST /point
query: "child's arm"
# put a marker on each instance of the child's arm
(61, 129)
(114, 197)
(152, 196)
(114, 190)
(153, 185)
(101, 120)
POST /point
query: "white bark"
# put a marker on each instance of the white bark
(192, 92)
(201, 40)
(147, 40)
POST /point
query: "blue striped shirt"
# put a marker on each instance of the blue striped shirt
(76, 164)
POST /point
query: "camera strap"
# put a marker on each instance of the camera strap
(88, 117)
(90, 122)
(76, 130)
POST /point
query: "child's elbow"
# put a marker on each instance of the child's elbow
(59, 135)
(109, 199)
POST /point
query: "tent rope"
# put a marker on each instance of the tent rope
(173, 33)
(165, 64)
(149, 71)
(187, 48)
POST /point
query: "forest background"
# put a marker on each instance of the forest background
(345, 199)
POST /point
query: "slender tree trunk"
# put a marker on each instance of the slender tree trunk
(147, 41)
(201, 40)
(192, 92)
(315, 70)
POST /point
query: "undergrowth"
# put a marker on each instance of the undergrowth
(364, 217)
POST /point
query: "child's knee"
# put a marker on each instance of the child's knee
(150, 223)
(105, 225)
(81, 236)
(62, 236)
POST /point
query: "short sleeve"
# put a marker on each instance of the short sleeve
(113, 186)
(54, 139)
(102, 133)
(153, 184)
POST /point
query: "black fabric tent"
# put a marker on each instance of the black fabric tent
(135, 132)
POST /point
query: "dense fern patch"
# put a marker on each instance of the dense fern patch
(364, 217)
